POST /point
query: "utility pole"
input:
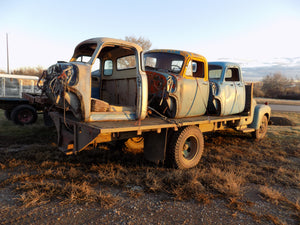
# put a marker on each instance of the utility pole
(7, 53)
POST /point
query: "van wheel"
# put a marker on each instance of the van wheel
(260, 133)
(7, 114)
(24, 114)
(186, 148)
(134, 145)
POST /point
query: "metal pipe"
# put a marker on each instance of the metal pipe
(7, 53)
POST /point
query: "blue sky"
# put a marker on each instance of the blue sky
(258, 34)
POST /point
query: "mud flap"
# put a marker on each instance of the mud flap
(72, 136)
(155, 146)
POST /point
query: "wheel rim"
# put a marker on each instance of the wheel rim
(137, 139)
(189, 149)
(262, 127)
(25, 116)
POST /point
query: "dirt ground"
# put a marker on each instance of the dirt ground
(239, 181)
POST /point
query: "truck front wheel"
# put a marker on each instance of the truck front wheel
(24, 114)
(260, 133)
(186, 148)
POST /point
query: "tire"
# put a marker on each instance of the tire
(186, 148)
(7, 114)
(24, 115)
(134, 145)
(260, 133)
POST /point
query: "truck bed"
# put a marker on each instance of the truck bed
(158, 123)
(74, 136)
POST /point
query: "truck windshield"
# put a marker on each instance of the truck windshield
(214, 72)
(84, 52)
(168, 62)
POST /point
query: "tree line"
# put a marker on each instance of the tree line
(277, 86)
(33, 71)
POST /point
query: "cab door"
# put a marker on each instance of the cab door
(234, 101)
(194, 89)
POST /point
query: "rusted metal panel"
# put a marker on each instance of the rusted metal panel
(177, 82)
(120, 91)
(68, 85)
(155, 145)
(35, 98)
(73, 136)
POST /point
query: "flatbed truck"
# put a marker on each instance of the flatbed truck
(94, 103)
(175, 142)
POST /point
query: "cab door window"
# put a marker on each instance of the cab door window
(198, 69)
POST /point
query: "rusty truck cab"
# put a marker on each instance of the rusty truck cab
(112, 69)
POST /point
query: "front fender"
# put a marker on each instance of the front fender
(259, 112)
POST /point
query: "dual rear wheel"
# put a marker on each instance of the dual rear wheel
(185, 147)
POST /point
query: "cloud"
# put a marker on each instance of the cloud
(256, 70)
(288, 67)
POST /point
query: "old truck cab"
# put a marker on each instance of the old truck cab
(103, 81)
(227, 88)
(178, 82)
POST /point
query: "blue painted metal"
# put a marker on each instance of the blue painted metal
(259, 112)
(227, 90)
(96, 85)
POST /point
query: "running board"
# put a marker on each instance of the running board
(247, 130)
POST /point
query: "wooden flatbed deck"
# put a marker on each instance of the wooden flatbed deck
(158, 123)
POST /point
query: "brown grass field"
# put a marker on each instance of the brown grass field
(239, 181)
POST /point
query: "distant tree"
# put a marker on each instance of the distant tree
(257, 90)
(275, 85)
(141, 41)
(129, 61)
(2, 72)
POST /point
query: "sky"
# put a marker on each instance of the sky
(262, 35)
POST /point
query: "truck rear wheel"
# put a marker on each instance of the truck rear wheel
(134, 145)
(260, 133)
(186, 148)
(24, 114)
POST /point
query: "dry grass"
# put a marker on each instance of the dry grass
(231, 163)
(227, 182)
(40, 192)
(271, 194)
